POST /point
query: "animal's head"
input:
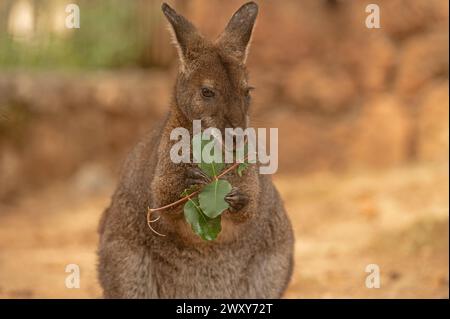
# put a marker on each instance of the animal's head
(212, 83)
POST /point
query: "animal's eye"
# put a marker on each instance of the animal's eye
(208, 93)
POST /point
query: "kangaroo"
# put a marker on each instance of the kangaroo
(253, 255)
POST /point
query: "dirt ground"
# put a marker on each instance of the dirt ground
(397, 219)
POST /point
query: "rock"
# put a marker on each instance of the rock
(403, 18)
(382, 134)
(9, 171)
(423, 58)
(433, 123)
(377, 62)
(315, 87)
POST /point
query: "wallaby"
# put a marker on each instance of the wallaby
(253, 255)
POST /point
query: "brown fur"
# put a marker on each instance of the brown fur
(252, 257)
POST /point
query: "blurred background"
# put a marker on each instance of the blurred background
(363, 118)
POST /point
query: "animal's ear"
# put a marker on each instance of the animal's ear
(184, 34)
(237, 34)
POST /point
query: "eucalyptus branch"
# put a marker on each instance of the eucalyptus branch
(186, 198)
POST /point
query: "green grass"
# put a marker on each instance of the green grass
(107, 38)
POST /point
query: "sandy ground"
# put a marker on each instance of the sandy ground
(397, 219)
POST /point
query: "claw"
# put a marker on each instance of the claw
(236, 199)
(195, 176)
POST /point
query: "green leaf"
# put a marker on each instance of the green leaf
(241, 168)
(211, 198)
(211, 169)
(207, 228)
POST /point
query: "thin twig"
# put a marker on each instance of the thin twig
(184, 199)
(149, 222)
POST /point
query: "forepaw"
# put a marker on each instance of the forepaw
(236, 199)
(196, 177)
